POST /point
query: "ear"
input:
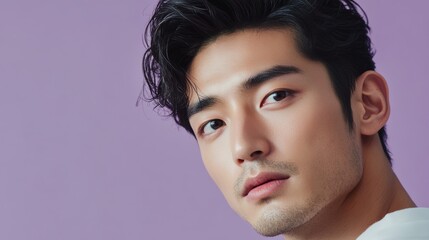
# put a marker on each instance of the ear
(372, 96)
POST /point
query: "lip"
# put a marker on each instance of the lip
(263, 185)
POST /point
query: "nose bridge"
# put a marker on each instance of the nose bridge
(248, 138)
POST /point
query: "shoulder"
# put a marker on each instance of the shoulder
(410, 223)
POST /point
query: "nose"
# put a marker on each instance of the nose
(249, 139)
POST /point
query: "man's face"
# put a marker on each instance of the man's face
(271, 131)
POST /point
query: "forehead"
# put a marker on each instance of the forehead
(236, 56)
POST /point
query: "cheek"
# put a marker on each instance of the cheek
(328, 135)
(308, 127)
(315, 136)
(220, 166)
(317, 125)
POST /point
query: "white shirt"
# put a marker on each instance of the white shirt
(410, 223)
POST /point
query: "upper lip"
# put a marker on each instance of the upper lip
(260, 179)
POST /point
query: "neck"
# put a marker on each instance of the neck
(378, 193)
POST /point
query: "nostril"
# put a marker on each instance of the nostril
(256, 154)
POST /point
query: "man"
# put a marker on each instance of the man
(288, 112)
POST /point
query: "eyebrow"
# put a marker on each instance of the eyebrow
(251, 83)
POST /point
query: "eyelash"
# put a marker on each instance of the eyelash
(287, 93)
(203, 126)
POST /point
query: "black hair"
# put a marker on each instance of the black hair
(333, 32)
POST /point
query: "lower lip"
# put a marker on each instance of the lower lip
(265, 190)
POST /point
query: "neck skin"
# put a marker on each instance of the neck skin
(378, 193)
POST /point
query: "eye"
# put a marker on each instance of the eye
(211, 126)
(277, 96)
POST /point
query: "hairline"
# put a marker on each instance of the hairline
(191, 86)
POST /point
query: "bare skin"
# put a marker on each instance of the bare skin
(378, 194)
(285, 124)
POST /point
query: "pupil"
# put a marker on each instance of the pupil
(279, 96)
(215, 124)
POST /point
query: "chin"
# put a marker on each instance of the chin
(274, 221)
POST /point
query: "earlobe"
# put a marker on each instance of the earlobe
(373, 95)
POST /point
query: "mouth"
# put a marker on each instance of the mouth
(263, 185)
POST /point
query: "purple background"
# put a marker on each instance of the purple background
(78, 160)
